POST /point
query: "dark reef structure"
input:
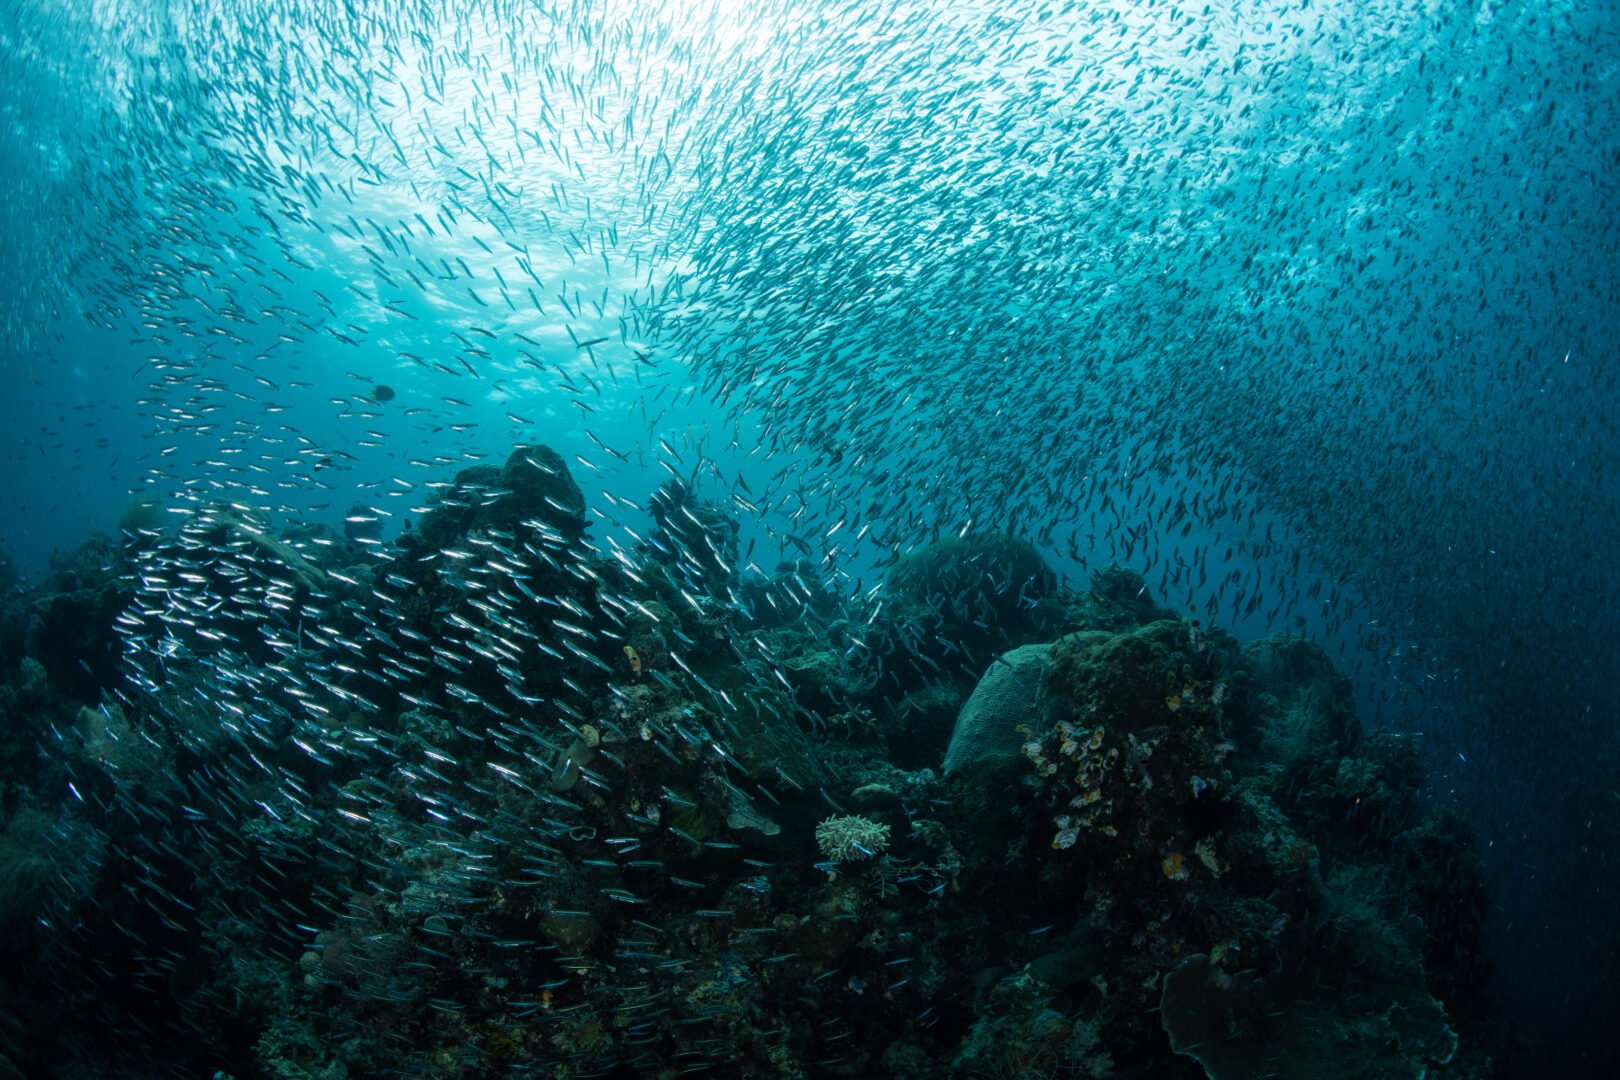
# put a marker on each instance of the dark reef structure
(494, 800)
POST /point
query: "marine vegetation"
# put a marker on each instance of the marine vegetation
(493, 799)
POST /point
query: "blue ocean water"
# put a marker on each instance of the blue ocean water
(1303, 312)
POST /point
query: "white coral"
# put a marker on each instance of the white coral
(849, 837)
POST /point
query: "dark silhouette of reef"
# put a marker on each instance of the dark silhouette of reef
(499, 801)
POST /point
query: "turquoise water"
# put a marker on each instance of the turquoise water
(1303, 312)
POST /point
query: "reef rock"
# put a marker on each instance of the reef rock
(969, 576)
(1236, 1026)
(533, 486)
(1005, 699)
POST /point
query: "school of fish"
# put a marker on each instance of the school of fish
(1303, 311)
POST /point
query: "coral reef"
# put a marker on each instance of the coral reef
(491, 799)
(998, 715)
(533, 490)
(847, 837)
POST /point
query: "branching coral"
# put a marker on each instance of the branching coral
(848, 837)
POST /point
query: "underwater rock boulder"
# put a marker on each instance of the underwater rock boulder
(144, 515)
(696, 537)
(361, 526)
(979, 594)
(1300, 704)
(539, 485)
(1120, 600)
(533, 485)
(1129, 680)
(967, 577)
(1005, 699)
